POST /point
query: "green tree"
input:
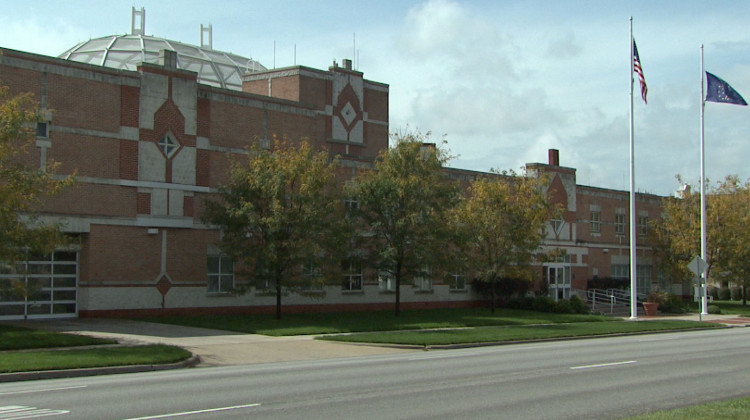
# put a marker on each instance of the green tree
(404, 205)
(678, 233)
(731, 217)
(279, 212)
(502, 221)
(22, 187)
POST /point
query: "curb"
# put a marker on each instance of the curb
(192, 361)
(529, 341)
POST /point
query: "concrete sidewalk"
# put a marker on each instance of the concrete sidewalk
(214, 347)
(728, 320)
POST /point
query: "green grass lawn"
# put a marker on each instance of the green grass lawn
(734, 307)
(23, 350)
(87, 358)
(514, 333)
(347, 322)
(737, 409)
(16, 338)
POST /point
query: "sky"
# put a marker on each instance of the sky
(501, 81)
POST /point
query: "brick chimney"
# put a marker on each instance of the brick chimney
(554, 157)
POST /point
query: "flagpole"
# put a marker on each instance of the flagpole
(633, 250)
(704, 286)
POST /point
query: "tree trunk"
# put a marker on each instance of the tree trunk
(397, 278)
(278, 300)
(492, 293)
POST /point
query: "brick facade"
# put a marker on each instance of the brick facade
(149, 146)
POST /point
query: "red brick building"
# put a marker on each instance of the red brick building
(149, 142)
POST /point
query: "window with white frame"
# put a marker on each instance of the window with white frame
(642, 225)
(168, 145)
(220, 274)
(386, 282)
(557, 225)
(596, 221)
(351, 205)
(352, 268)
(457, 281)
(620, 224)
(423, 280)
(312, 277)
(41, 286)
(620, 271)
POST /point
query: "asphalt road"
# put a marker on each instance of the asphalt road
(593, 378)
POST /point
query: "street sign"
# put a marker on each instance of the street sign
(698, 266)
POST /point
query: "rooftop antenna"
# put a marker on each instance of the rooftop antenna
(207, 30)
(354, 50)
(141, 30)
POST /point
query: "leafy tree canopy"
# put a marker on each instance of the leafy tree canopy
(404, 205)
(279, 212)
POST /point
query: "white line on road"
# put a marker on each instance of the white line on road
(16, 412)
(188, 413)
(31, 391)
(604, 365)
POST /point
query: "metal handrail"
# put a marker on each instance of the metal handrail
(609, 297)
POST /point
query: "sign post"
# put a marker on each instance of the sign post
(699, 267)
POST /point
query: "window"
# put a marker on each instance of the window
(312, 279)
(351, 204)
(596, 221)
(642, 225)
(619, 224)
(457, 281)
(352, 274)
(643, 278)
(423, 281)
(386, 282)
(42, 129)
(557, 225)
(620, 271)
(168, 145)
(220, 273)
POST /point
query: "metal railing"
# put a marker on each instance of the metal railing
(610, 300)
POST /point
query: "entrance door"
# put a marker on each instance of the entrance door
(558, 280)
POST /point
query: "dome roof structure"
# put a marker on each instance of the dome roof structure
(215, 68)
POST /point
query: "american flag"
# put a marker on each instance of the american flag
(637, 68)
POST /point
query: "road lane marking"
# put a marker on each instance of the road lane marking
(31, 391)
(16, 412)
(603, 365)
(188, 413)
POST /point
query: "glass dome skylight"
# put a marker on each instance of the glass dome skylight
(215, 68)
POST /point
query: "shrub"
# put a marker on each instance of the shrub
(543, 304)
(578, 306)
(657, 296)
(713, 309)
(563, 307)
(713, 291)
(725, 294)
(673, 304)
(525, 303)
(736, 293)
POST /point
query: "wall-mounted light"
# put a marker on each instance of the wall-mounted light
(152, 231)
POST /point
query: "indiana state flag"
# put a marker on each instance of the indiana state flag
(720, 91)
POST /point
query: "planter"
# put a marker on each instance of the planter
(650, 308)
